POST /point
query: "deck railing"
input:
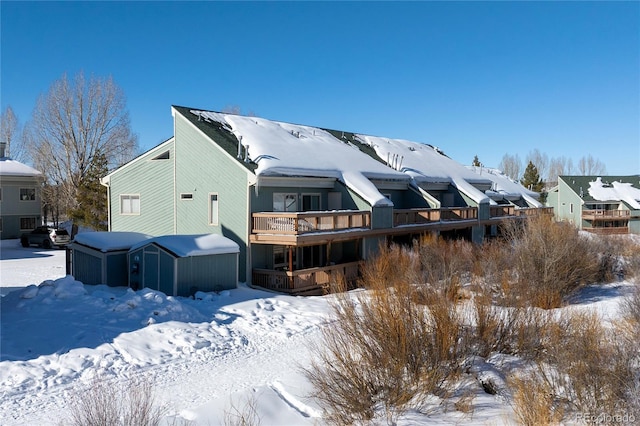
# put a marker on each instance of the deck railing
(305, 280)
(613, 230)
(421, 216)
(296, 223)
(501, 211)
(533, 211)
(605, 214)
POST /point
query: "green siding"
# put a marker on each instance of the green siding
(203, 168)
(153, 181)
(382, 217)
(567, 198)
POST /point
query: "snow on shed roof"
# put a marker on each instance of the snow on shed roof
(9, 167)
(283, 149)
(193, 245)
(110, 241)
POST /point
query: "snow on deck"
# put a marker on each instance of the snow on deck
(617, 191)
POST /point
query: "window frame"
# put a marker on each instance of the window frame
(28, 188)
(211, 217)
(33, 218)
(130, 197)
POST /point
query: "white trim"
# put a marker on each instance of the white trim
(210, 202)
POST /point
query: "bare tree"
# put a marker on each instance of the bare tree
(540, 160)
(588, 166)
(73, 122)
(557, 167)
(511, 166)
(10, 134)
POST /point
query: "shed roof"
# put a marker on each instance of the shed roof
(193, 245)
(110, 241)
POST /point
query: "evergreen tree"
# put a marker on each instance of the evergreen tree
(476, 161)
(531, 180)
(91, 210)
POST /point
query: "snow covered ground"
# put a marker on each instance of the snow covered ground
(201, 354)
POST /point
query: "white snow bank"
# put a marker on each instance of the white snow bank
(9, 167)
(110, 241)
(283, 149)
(617, 191)
(63, 288)
(193, 245)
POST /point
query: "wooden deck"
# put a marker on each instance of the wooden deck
(612, 230)
(605, 214)
(424, 216)
(305, 281)
(298, 223)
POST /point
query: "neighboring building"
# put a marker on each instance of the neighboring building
(598, 204)
(20, 197)
(304, 204)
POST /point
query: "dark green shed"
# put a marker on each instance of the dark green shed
(101, 257)
(181, 265)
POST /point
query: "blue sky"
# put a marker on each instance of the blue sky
(485, 78)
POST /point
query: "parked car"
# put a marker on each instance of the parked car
(46, 237)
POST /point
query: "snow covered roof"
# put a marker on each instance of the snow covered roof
(110, 241)
(193, 245)
(283, 149)
(9, 167)
(505, 186)
(427, 164)
(615, 191)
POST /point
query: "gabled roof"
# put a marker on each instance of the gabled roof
(593, 189)
(192, 245)
(285, 149)
(9, 167)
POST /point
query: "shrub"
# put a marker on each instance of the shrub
(551, 261)
(533, 400)
(385, 349)
(123, 404)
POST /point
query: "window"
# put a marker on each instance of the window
(285, 202)
(571, 208)
(281, 258)
(186, 196)
(0, 224)
(27, 194)
(310, 202)
(213, 209)
(27, 223)
(164, 156)
(129, 204)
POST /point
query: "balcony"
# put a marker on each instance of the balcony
(292, 228)
(502, 211)
(608, 230)
(533, 211)
(308, 281)
(432, 216)
(605, 214)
